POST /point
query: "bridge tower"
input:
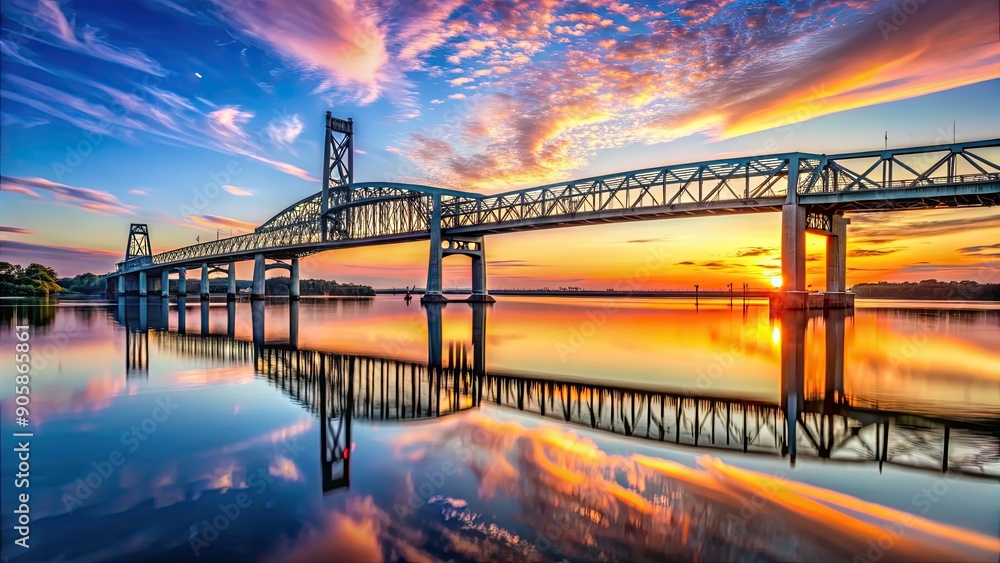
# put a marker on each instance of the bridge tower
(338, 164)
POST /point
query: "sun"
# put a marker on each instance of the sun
(776, 281)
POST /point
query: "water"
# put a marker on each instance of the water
(535, 429)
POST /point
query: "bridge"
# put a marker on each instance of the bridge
(813, 193)
(818, 422)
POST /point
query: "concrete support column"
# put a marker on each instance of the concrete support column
(165, 284)
(205, 291)
(143, 311)
(433, 293)
(293, 290)
(258, 277)
(293, 324)
(836, 254)
(181, 312)
(793, 294)
(121, 285)
(231, 287)
(142, 283)
(205, 327)
(231, 319)
(182, 284)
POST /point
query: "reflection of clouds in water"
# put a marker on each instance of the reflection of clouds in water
(235, 374)
(361, 532)
(584, 503)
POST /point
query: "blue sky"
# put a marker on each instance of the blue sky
(112, 115)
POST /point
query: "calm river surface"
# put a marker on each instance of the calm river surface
(535, 429)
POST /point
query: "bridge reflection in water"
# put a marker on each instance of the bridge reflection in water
(339, 388)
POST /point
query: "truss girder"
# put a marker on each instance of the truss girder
(382, 212)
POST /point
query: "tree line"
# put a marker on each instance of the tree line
(38, 280)
(930, 289)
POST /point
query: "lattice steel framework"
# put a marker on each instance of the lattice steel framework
(138, 242)
(963, 174)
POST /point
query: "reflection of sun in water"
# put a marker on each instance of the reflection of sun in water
(776, 281)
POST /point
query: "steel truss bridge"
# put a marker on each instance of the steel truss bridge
(828, 424)
(812, 190)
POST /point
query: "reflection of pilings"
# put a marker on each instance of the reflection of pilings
(793, 366)
(835, 321)
(435, 339)
(257, 319)
(479, 337)
(136, 354)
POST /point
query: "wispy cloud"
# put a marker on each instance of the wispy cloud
(15, 230)
(213, 222)
(755, 251)
(57, 30)
(978, 250)
(237, 190)
(84, 198)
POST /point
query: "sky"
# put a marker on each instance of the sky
(205, 118)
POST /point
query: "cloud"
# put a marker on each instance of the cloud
(66, 260)
(908, 228)
(978, 250)
(56, 30)
(461, 80)
(456, 97)
(646, 240)
(155, 113)
(342, 42)
(755, 251)
(213, 222)
(722, 69)
(686, 263)
(84, 198)
(865, 252)
(140, 191)
(15, 230)
(285, 129)
(237, 191)
(437, 101)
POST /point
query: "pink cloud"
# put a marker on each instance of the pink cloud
(237, 191)
(340, 40)
(213, 222)
(15, 230)
(85, 198)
